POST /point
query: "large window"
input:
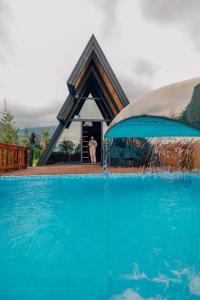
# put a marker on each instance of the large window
(68, 147)
(90, 110)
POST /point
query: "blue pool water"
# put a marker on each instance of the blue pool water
(134, 237)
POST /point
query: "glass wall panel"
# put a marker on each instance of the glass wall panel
(90, 110)
(68, 147)
(163, 154)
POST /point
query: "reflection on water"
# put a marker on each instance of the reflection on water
(152, 154)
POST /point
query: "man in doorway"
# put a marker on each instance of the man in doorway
(92, 149)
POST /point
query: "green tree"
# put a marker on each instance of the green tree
(36, 154)
(44, 138)
(8, 130)
(66, 146)
(25, 141)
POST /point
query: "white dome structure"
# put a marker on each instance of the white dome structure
(173, 110)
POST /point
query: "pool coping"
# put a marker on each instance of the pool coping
(167, 175)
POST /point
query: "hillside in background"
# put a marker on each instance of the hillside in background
(38, 130)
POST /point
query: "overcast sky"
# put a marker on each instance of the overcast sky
(148, 44)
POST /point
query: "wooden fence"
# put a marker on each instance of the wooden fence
(12, 157)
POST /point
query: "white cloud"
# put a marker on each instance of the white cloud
(109, 15)
(182, 12)
(5, 38)
(49, 36)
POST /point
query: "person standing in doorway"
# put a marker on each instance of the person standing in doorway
(92, 149)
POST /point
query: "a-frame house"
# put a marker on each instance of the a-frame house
(93, 76)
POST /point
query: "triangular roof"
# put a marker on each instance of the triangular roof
(93, 74)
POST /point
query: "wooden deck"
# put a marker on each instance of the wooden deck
(56, 170)
(69, 169)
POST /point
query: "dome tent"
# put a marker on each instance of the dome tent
(173, 110)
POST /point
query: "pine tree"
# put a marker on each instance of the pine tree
(8, 130)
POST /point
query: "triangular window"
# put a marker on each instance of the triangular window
(90, 110)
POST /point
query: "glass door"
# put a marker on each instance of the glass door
(91, 129)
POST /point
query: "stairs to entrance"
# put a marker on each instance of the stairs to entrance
(85, 147)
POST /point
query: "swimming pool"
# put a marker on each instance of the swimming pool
(130, 237)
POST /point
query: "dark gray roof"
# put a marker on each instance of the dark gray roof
(92, 46)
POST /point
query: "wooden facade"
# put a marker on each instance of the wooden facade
(92, 75)
(12, 157)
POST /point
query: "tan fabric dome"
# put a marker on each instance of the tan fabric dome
(179, 101)
(170, 101)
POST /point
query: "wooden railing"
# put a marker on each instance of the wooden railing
(12, 157)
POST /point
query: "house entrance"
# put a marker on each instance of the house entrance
(91, 128)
